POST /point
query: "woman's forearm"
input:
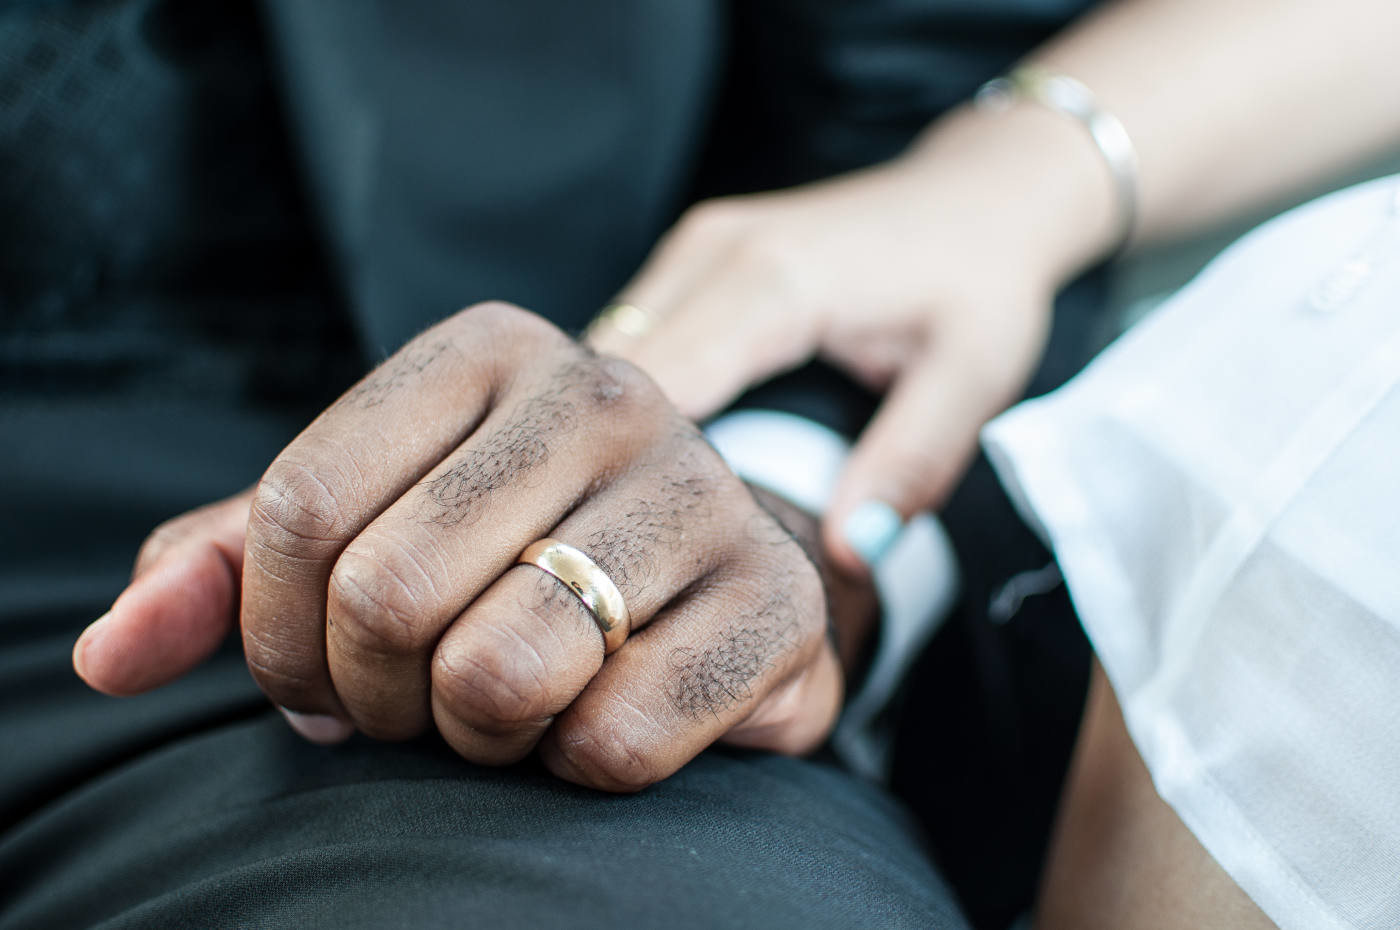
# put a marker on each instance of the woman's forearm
(1228, 105)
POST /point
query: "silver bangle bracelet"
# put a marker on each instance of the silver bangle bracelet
(1064, 94)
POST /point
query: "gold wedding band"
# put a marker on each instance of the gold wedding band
(582, 576)
(628, 319)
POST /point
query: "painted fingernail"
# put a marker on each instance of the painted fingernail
(319, 728)
(871, 529)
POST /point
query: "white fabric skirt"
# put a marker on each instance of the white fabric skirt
(1222, 491)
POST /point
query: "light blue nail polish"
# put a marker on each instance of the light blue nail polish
(871, 529)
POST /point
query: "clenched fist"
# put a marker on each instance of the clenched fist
(377, 566)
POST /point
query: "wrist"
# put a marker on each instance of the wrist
(1034, 179)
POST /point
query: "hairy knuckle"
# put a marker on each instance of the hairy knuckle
(376, 602)
(295, 510)
(496, 691)
(759, 634)
(617, 388)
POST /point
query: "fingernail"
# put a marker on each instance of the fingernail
(93, 627)
(84, 642)
(871, 529)
(319, 728)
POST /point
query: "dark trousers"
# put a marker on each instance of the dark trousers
(244, 825)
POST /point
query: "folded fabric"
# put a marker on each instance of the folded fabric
(1220, 489)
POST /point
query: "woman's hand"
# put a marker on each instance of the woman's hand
(930, 278)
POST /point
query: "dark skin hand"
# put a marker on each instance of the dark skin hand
(373, 571)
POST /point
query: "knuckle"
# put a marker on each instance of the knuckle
(600, 749)
(496, 691)
(770, 547)
(712, 219)
(616, 387)
(768, 255)
(782, 591)
(376, 602)
(294, 510)
(162, 539)
(499, 317)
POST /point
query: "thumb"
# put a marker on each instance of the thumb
(178, 608)
(908, 458)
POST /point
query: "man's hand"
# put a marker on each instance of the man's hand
(380, 591)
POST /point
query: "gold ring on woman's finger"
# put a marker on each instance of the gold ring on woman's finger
(627, 319)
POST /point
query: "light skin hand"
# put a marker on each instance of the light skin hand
(379, 589)
(902, 275)
(931, 277)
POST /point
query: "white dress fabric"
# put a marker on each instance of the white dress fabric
(1222, 491)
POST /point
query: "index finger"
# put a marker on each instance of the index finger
(346, 468)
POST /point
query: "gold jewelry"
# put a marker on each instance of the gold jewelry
(628, 319)
(582, 576)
